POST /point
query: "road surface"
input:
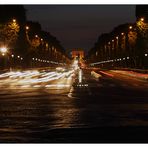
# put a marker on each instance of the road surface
(45, 106)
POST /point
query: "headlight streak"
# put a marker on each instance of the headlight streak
(35, 79)
(57, 85)
(6, 74)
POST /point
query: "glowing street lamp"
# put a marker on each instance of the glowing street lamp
(3, 50)
(27, 28)
(130, 27)
(142, 19)
(14, 20)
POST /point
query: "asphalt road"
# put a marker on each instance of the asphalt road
(47, 107)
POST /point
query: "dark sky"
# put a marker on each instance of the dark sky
(78, 26)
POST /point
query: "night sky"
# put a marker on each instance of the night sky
(78, 26)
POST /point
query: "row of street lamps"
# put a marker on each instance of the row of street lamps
(114, 60)
(115, 41)
(51, 49)
(123, 33)
(5, 52)
(47, 61)
(122, 45)
(38, 60)
(130, 28)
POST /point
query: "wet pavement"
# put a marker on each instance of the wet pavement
(44, 111)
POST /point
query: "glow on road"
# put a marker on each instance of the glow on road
(108, 74)
(132, 74)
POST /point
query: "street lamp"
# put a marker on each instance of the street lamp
(3, 50)
(130, 27)
(27, 28)
(14, 20)
(142, 19)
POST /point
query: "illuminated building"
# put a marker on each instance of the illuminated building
(77, 54)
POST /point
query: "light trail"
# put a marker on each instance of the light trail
(108, 74)
(35, 79)
(132, 74)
